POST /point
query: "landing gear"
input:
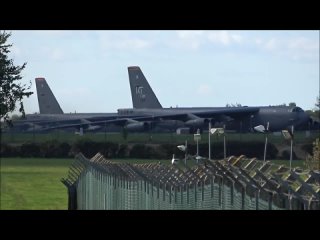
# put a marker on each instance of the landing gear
(193, 130)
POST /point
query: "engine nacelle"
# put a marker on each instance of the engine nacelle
(138, 127)
(93, 127)
(199, 122)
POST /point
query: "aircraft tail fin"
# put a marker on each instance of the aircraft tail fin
(141, 92)
(48, 104)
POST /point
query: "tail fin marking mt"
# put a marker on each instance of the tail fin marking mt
(141, 92)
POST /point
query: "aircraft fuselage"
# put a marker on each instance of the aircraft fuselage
(240, 118)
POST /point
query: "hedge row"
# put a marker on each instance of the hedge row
(55, 149)
(50, 149)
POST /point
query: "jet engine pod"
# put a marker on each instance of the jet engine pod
(199, 122)
(138, 126)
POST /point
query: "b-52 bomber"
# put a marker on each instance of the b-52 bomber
(243, 119)
(147, 113)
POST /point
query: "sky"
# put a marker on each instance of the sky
(87, 70)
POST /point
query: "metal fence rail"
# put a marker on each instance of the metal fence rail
(236, 183)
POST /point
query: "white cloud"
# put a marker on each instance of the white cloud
(303, 44)
(258, 41)
(272, 44)
(66, 96)
(76, 92)
(302, 48)
(237, 38)
(278, 43)
(122, 41)
(224, 37)
(196, 39)
(295, 48)
(132, 44)
(204, 89)
(190, 39)
(189, 34)
(57, 54)
(54, 33)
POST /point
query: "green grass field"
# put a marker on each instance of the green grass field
(33, 183)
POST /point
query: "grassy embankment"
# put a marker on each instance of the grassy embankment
(33, 183)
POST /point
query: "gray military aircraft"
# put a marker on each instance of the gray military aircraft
(145, 103)
(52, 117)
(51, 114)
(147, 113)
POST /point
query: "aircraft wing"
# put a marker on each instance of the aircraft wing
(85, 123)
(62, 123)
(226, 114)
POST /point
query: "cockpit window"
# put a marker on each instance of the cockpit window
(296, 109)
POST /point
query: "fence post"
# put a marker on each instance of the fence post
(220, 192)
(232, 193)
(212, 186)
(187, 193)
(257, 198)
(243, 198)
(152, 189)
(164, 192)
(270, 200)
(195, 191)
(202, 195)
(158, 186)
(175, 195)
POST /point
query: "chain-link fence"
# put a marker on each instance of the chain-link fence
(236, 183)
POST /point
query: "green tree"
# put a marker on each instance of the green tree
(15, 117)
(313, 161)
(11, 90)
(292, 104)
(316, 110)
(233, 105)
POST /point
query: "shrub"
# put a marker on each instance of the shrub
(122, 151)
(308, 147)
(285, 155)
(142, 151)
(30, 150)
(169, 149)
(87, 147)
(8, 151)
(54, 149)
(108, 149)
(90, 148)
